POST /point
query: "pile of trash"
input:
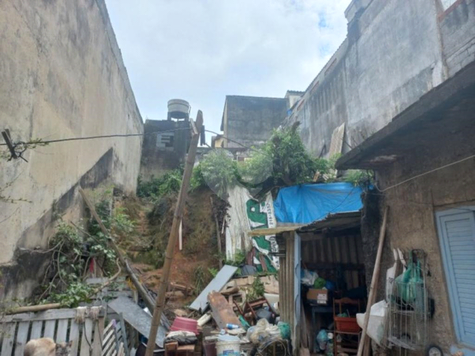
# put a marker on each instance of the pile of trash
(234, 319)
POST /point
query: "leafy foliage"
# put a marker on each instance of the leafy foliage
(155, 188)
(359, 177)
(73, 248)
(290, 163)
(256, 291)
(219, 171)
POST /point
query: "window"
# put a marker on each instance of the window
(457, 240)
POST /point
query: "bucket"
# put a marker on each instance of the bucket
(228, 348)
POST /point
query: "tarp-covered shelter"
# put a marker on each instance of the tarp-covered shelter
(318, 230)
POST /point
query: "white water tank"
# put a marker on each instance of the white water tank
(178, 109)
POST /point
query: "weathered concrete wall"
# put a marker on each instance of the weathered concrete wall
(250, 120)
(164, 146)
(395, 52)
(412, 223)
(61, 75)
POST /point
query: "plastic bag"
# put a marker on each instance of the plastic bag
(263, 332)
(322, 340)
(376, 322)
(308, 277)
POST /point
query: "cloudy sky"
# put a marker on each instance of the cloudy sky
(203, 50)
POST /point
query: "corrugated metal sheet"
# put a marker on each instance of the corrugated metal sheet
(324, 254)
(218, 282)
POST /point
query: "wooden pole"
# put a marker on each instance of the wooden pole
(177, 217)
(218, 234)
(364, 342)
(143, 293)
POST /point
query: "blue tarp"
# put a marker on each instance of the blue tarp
(306, 203)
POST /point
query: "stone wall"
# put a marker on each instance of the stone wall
(61, 76)
(395, 52)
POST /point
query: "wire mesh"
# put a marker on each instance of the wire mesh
(408, 306)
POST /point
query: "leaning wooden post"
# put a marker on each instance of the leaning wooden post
(177, 217)
(143, 293)
(218, 234)
(364, 342)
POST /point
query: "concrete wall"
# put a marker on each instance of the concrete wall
(411, 221)
(250, 120)
(395, 52)
(61, 75)
(164, 146)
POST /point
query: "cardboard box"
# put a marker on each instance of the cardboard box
(320, 296)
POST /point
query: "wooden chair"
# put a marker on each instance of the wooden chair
(346, 327)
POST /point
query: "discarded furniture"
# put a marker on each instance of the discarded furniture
(347, 332)
(83, 326)
(315, 310)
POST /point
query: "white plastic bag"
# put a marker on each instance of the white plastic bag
(391, 275)
(377, 317)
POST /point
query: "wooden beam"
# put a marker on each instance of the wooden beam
(177, 217)
(364, 344)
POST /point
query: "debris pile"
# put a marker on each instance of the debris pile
(238, 315)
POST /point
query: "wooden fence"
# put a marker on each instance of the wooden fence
(84, 328)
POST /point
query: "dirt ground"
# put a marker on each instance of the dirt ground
(146, 247)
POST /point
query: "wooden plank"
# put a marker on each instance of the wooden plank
(221, 310)
(74, 337)
(22, 337)
(86, 339)
(50, 326)
(124, 335)
(98, 334)
(36, 329)
(46, 315)
(364, 345)
(8, 338)
(274, 231)
(61, 333)
(121, 350)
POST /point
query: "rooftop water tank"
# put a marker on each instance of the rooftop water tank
(178, 109)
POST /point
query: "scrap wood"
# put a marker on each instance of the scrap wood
(43, 307)
(222, 312)
(364, 345)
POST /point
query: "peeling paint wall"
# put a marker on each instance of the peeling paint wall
(61, 76)
(395, 52)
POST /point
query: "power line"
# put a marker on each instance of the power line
(423, 174)
(25, 145)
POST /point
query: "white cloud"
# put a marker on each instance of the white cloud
(203, 50)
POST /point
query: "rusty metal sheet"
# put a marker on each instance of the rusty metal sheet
(221, 311)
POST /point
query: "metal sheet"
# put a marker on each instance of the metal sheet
(223, 276)
(137, 318)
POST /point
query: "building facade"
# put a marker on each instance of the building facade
(394, 53)
(61, 76)
(249, 120)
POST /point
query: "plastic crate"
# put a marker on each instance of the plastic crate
(346, 324)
